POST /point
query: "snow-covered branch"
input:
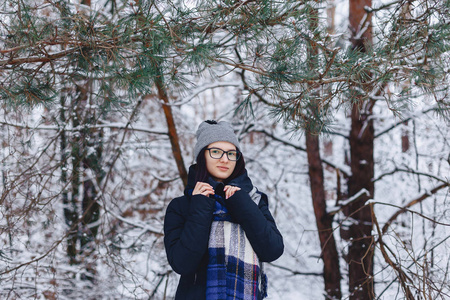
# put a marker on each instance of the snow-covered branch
(69, 128)
(343, 203)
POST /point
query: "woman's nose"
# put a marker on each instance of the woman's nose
(224, 158)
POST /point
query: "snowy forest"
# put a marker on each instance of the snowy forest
(342, 112)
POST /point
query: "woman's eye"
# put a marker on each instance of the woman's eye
(215, 151)
(231, 154)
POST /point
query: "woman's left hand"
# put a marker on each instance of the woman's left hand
(230, 190)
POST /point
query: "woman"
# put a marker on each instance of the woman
(218, 233)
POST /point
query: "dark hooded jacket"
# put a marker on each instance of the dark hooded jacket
(187, 225)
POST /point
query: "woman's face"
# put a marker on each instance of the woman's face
(220, 169)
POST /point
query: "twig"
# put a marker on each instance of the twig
(434, 108)
(413, 202)
(108, 125)
(296, 272)
(412, 172)
(404, 279)
(298, 147)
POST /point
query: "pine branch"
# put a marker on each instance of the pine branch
(25, 60)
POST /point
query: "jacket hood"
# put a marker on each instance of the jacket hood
(242, 181)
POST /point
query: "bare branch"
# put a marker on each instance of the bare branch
(298, 147)
(412, 203)
(294, 272)
(434, 108)
(128, 127)
(404, 279)
(412, 172)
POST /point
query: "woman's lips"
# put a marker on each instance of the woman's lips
(223, 168)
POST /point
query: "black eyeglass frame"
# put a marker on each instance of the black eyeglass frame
(238, 154)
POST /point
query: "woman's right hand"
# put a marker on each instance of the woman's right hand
(203, 188)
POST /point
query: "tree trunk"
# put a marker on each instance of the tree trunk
(89, 228)
(405, 137)
(173, 135)
(90, 207)
(92, 139)
(357, 14)
(81, 209)
(359, 233)
(330, 257)
(76, 156)
(324, 221)
(361, 248)
(70, 207)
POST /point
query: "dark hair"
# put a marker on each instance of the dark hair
(201, 172)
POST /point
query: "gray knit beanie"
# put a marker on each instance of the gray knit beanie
(210, 132)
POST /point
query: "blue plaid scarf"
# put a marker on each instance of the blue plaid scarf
(233, 269)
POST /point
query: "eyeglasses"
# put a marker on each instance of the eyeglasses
(217, 153)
